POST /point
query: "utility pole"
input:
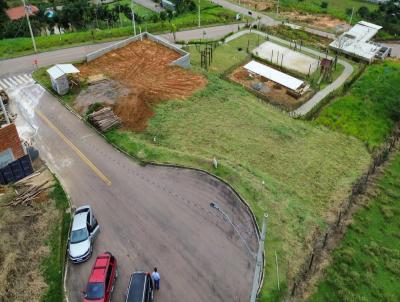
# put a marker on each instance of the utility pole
(199, 13)
(277, 8)
(133, 19)
(259, 261)
(28, 10)
(351, 17)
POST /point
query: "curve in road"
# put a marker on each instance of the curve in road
(149, 216)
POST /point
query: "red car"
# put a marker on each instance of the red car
(102, 279)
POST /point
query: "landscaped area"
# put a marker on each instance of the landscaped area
(366, 265)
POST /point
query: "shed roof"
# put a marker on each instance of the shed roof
(59, 70)
(274, 75)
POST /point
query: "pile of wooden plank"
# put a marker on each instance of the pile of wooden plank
(104, 119)
(27, 196)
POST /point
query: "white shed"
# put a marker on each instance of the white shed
(58, 76)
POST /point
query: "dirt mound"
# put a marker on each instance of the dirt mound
(143, 67)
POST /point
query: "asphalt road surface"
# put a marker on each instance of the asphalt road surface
(149, 216)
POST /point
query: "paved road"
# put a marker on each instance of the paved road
(149, 216)
(24, 64)
(155, 7)
(320, 95)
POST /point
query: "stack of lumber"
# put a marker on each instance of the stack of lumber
(104, 119)
(28, 195)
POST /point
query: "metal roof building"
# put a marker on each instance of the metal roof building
(274, 75)
(357, 42)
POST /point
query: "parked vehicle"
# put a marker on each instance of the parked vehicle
(141, 288)
(84, 231)
(102, 279)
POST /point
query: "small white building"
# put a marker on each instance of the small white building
(357, 42)
(59, 77)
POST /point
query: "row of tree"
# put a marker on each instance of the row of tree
(81, 14)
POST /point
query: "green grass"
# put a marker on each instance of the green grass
(211, 15)
(254, 142)
(366, 112)
(336, 8)
(366, 265)
(53, 266)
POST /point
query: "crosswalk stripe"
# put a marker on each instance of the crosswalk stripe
(9, 84)
(3, 85)
(27, 77)
(13, 82)
(18, 80)
(21, 79)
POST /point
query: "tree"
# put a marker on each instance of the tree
(363, 12)
(324, 4)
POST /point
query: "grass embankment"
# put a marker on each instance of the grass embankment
(33, 247)
(368, 110)
(254, 142)
(211, 15)
(366, 265)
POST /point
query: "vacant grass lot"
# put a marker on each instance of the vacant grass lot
(211, 15)
(253, 142)
(33, 245)
(368, 110)
(366, 265)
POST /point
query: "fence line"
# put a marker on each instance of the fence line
(320, 245)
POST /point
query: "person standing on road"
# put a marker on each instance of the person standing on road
(156, 279)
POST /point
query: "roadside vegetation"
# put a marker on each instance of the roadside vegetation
(33, 246)
(370, 109)
(366, 265)
(211, 14)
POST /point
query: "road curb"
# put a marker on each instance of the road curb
(152, 163)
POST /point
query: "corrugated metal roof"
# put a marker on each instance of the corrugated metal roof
(59, 70)
(274, 75)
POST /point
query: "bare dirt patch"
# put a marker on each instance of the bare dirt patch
(106, 92)
(23, 233)
(321, 21)
(273, 92)
(144, 68)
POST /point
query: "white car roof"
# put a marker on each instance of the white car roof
(79, 221)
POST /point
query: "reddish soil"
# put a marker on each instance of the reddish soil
(143, 67)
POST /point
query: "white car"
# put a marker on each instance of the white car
(84, 231)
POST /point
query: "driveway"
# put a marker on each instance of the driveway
(149, 216)
(151, 5)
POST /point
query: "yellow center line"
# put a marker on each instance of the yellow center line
(73, 147)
